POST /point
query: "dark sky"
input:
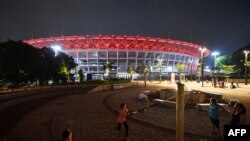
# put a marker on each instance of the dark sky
(222, 25)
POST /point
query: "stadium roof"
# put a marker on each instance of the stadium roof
(119, 42)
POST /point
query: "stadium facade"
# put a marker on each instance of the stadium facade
(92, 51)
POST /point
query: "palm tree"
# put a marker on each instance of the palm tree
(159, 68)
(181, 69)
(81, 75)
(131, 71)
(107, 67)
(144, 70)
(228, 69)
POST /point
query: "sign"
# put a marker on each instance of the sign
(236, 132)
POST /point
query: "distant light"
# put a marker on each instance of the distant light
(215, 53)
(246, 51)
(207, 67)
(56, 48)
(202, 49)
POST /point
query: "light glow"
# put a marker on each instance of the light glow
(56, 48)
(215, 53)
(121, 43)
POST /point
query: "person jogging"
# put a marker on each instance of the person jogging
(122, 114)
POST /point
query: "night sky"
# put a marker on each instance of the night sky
(221, 25)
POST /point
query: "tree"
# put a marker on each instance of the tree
(66, 64)
(107, 68)
(181, 69)
(50, 67)
(144, 71)
(238, 59)
(19, 62)
(248, 64)
(131, 71)
(228, 69)
(81, 75)
(223, 60)
(159, 68)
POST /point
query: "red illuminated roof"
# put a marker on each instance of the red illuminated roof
(120, 43)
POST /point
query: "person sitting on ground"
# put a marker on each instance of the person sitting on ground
(142, 96)
(232, 86)
(238, 115)
(237, 84)
(222, 84)
(67, 135)
(219, 84)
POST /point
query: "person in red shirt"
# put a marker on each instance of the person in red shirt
(122, 114)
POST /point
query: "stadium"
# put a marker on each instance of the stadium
(90, 52)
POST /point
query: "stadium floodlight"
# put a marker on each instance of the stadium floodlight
(56, 48)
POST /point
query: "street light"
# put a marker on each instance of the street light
(191, 69)
(215, 54)
(159, 68)
(202, 49)
(246, 53)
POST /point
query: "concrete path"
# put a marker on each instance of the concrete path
(92, 117)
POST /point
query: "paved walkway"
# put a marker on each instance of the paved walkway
(92, 117)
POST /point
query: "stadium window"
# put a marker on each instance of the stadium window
(122, 54)
(131, 54)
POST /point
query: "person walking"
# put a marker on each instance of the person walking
(238, 115)
(122, 114)
(214, 110)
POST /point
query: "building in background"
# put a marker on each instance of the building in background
(90, 52)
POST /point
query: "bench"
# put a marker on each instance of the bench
(205, 106)
(146, 92)
(117, 86)
(165, 102)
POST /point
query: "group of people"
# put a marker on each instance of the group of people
(221, 84)
(238, 115)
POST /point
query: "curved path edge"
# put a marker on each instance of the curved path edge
(147, 124)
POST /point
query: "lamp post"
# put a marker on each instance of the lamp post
(246, 53)
(159, 68)
(215, 54)
(191, 69)
(202, 65)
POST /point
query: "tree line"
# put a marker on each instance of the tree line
(22, 64)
